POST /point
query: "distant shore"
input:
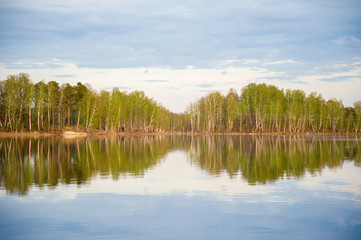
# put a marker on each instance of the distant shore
(104, 133)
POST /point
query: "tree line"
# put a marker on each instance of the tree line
(26, 106)
(263, 108)
(50, 107)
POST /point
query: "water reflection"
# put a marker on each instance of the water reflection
(50, 161)
(262, 159)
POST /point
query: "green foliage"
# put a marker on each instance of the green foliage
(16, 99)
(257, 108)
(231, 110)
(357, 118)
(265, 108)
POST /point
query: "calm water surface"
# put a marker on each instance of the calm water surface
(180, 188)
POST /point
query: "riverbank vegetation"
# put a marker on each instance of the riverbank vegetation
(256, 108)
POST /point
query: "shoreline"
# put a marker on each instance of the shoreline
(104, 134)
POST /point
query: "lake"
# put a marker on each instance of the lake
(180, 187)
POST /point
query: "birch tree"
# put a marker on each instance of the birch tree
(40, 95)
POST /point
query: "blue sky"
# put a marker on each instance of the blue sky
(177, 51)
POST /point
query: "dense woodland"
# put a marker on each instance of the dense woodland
(258, 108)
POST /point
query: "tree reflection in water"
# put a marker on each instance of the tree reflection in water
(46, 162)
(263, 159)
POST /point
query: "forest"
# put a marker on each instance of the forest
(257, 108)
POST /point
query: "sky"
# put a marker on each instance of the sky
(178, 51)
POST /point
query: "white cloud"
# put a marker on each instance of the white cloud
(51, 64)
(342, 85)
(250, 61)
(282, 62)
